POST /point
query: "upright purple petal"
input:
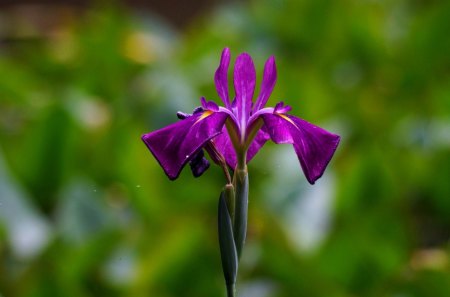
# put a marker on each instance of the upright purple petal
(268, 83)
(244, 85)
(221, 77)
(313, 145)
(225, 146)
(176, 144)
(257, 143)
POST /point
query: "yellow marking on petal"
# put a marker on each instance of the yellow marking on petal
(204, 115)
(287, 119)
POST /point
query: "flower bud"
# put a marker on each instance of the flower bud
(226, 240)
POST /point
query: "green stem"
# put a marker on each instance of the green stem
(241, 160)
(231, 290)
(241, 208)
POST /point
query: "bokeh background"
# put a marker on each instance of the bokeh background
(85, 210)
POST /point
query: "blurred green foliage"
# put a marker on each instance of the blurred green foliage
(85, 210)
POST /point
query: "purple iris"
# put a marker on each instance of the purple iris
(240, 128)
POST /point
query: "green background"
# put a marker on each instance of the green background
(85, 210)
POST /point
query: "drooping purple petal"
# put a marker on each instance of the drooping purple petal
(278, 128)
(313, 145)
(225, 147)
(198, 163)
(176, 144)
(244, 85)
(267, 85)
(221, 77)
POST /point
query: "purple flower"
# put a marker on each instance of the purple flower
(240, 128)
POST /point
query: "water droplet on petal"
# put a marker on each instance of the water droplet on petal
(187, 156)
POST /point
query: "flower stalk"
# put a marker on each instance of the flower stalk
(240, 182)
(231, 290)
(232, 223)
(232, 135)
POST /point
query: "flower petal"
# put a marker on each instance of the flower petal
(267, 85)
(281, 108)
(313, 145)
(176, 144)
(244, 85)
(209, 105)
(225, 147)
(257, 143)
(221, 77)
(198, 163)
